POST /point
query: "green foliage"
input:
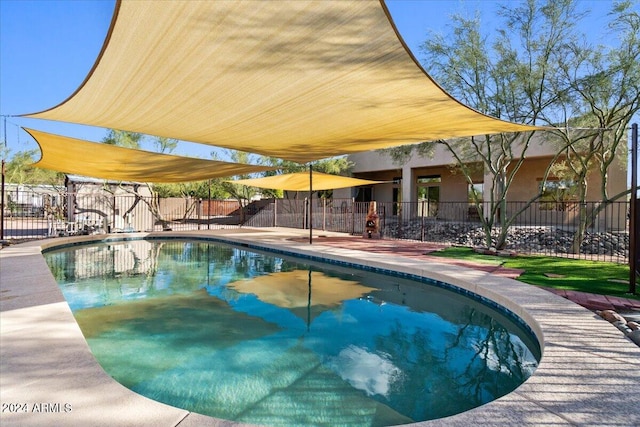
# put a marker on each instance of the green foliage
(123, 139)
(595, 277)
(199, 189)
(164, 145)
(537, 69)
(576, 275)
(18, 170)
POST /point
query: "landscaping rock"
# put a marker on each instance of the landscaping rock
(630, 329)
(611, 316)
(519, 238)
(622, 325)
(635, 337)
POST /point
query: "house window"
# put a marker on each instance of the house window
(558, 194)
(429, 179)
(364, 194)
(428, 195)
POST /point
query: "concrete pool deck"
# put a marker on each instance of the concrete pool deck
(589, 373)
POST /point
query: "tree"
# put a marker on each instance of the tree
(604, 95)
(123, 138)
(505, 81)
(538, 71)
(164, 145)
(242, 193)
(18, 170)
(133, 140)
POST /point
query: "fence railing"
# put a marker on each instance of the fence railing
(549, 228)
(92, 213)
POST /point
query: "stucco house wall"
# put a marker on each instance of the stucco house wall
(377, 165)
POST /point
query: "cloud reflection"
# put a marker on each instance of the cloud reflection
(369, 372)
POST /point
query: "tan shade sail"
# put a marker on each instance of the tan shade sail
(74, 156)
(291, 289)
(306, 294)
(299, 181)
(299, 80)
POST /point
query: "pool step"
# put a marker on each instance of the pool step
(341, 404)
(269, 387)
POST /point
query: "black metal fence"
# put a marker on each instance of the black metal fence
(549, 228)
(93, 213)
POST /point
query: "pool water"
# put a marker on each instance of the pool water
(271, 340)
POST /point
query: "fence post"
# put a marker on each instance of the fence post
(353, 216)
(306, 210)
(422, 222)
(113, 213)
(324, 214)
(633, 213)
(2, 198)
(275, 212)
(199, 211)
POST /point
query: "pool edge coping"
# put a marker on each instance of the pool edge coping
(561, 392)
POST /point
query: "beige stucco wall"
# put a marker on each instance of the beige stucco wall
(530, 175)
(379, 166)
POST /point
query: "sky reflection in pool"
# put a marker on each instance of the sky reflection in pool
(268, 340)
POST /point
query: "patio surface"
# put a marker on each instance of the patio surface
(421, 250)
(589, 374)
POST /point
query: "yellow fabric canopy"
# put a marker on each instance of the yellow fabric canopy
(299, 181)
(299, 80)
(75, 156)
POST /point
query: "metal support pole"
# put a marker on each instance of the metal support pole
(310, 204)
(633, 212)
(353, 215)
(324, 214)
(275, 212)
(422, 215)
(3, 173)
(2, 205)
(199, 211)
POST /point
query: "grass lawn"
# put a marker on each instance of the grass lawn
(578, 275)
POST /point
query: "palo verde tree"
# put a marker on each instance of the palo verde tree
(243, 194)
(507, 76)
(134, 140)
(603, 88)
(597, 97)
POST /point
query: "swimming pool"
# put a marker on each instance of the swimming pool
(268, 339)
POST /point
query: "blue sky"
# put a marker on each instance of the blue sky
(47, 47)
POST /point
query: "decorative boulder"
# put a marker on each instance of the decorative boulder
(611, 316)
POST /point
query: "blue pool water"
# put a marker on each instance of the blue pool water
(278, 341)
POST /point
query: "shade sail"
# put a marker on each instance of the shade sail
(306, 293)
(70, 155)
(299, 181)
(299, 80)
